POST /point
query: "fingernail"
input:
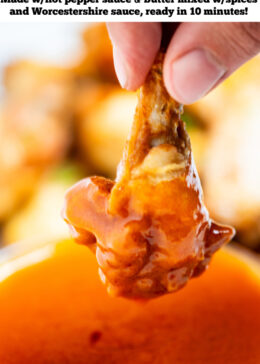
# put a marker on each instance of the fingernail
(194, 75)
(120, 67)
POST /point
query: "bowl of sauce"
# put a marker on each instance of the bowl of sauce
(54, 309)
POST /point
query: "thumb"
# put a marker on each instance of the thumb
(201, 55)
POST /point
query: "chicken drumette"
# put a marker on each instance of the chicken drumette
(149, 229)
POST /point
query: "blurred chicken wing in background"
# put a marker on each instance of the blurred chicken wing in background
(230, 170)
(35, 129)
(96, 59)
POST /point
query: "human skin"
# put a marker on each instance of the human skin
(199, 55)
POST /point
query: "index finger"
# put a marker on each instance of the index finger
(135, 46)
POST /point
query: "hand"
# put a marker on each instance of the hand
(199, 55)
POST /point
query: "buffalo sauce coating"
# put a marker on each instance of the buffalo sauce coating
(150, 230)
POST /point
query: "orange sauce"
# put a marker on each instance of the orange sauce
(58, 311)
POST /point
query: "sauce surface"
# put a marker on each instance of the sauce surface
(57, 311)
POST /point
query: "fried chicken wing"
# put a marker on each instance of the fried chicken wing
(35, 128)
(36, 110)
(150, 230)
(103, 127)
(97, 55)
(231, 180)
